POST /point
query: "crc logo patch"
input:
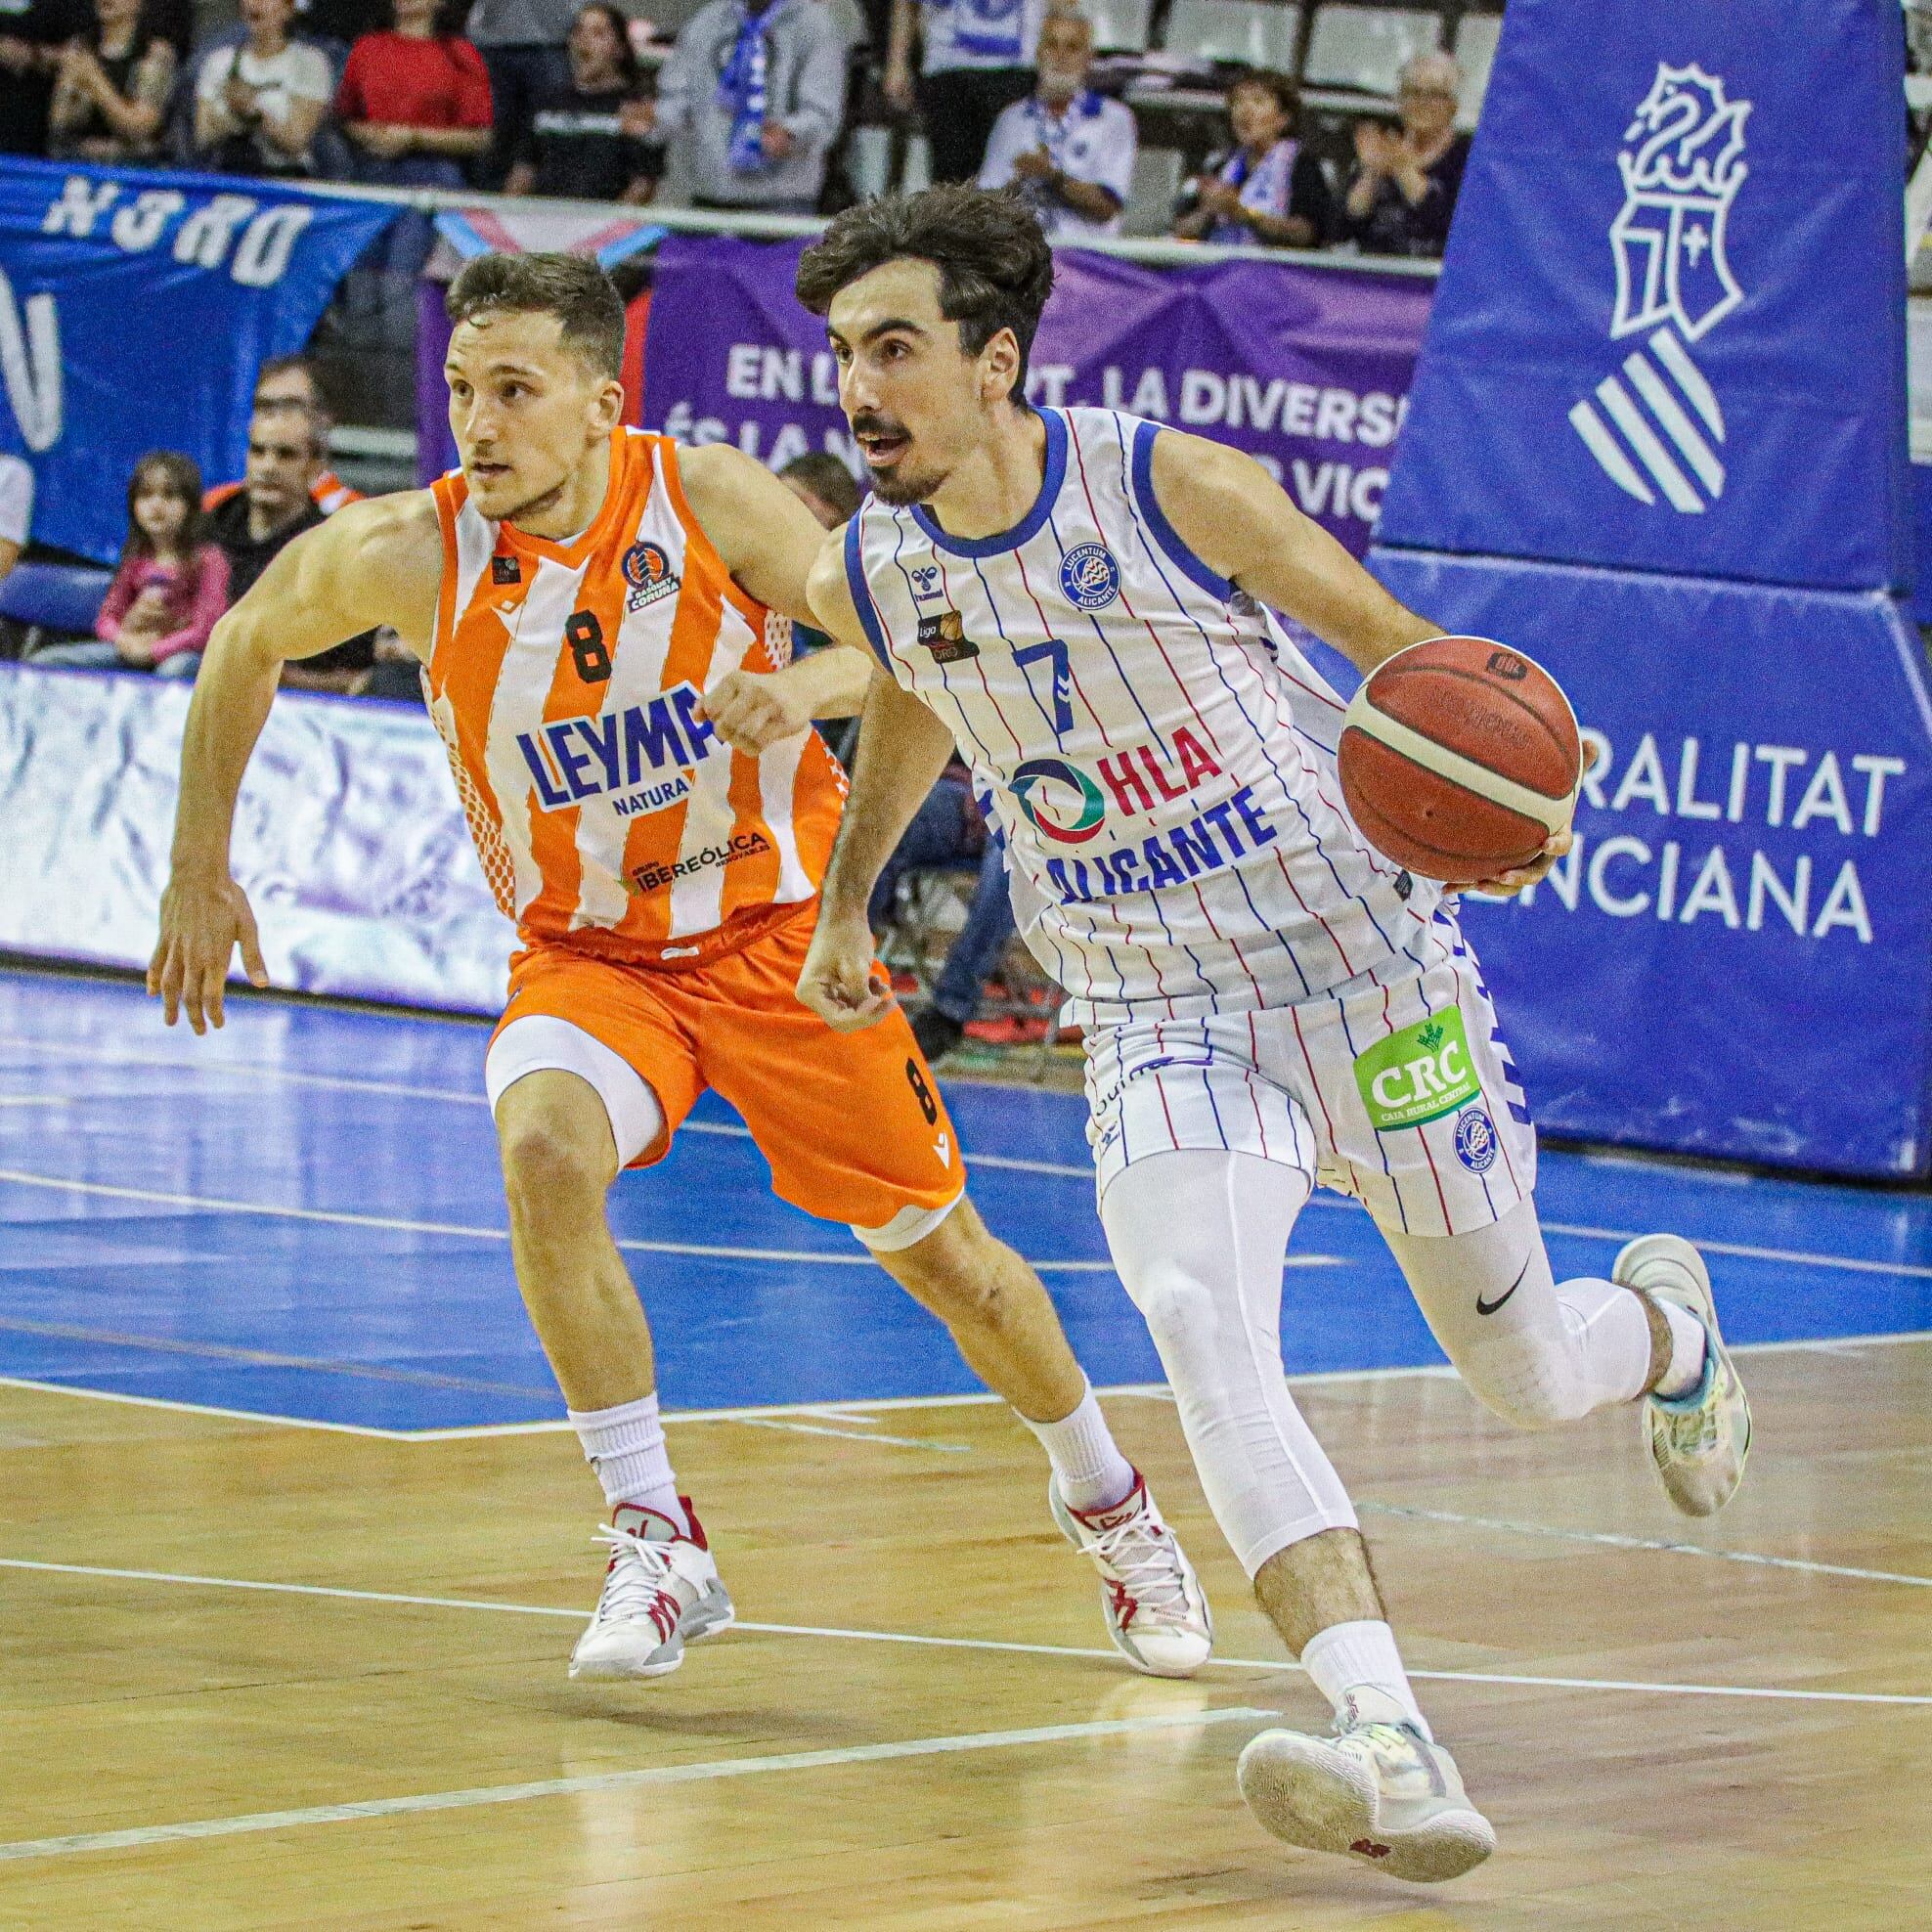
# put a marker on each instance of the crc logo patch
(1420, 1074)
(945, 636)
(1089, 576)
(1476, 1140)
(1060, 801)
(505, 570)
(647, 570)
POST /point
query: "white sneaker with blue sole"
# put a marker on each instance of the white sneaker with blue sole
(1698, 1441)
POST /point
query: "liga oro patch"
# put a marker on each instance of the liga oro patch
(1419, 1073)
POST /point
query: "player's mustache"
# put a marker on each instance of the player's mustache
(868, 424)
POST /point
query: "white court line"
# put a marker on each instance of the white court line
(1069, 1171)
(1615, 1542)
(392, 1224)
(855, 1435)
(916, 1640)
(620, 1781)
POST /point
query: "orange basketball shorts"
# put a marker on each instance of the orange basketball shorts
(853, 1125)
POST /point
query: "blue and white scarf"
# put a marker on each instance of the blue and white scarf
(741, 87)
(1054, 133)
(1263, 187)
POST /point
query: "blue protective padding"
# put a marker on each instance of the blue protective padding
(156, 1285)
(1794, 402)
(58, 596)
(1646, 1009)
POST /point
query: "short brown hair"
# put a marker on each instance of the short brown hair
(827, 478)
(995, 267)
(571, 288)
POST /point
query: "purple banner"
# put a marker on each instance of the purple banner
(1306, 368)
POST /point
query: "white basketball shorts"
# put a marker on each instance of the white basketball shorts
(1404, 1097)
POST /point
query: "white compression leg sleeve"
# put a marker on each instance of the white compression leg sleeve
(1199, 1238)
(1533, 1350)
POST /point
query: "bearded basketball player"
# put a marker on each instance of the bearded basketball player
(572, 593)
(1080, 601)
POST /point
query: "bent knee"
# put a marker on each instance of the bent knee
(1173, 1299)
(960, 1272)
(1525, 1389)
(554, 1139)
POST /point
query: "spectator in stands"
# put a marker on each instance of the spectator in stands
(32, 33)
(522, 43)
(973, 66)
(274, 504)
(111, 89)
(288, 382)
(1406, 178)
(824, 485)
(948, 831)
(170, 586)
(414, 102)
(15, 511)
(590, 137)
(755, 93)
(1070, 151)
(258, 106)
(1267, 188)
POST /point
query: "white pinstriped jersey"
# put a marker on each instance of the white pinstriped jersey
(1159, 756)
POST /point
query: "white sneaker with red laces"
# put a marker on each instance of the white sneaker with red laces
(1156, 1611)
(661, 1592)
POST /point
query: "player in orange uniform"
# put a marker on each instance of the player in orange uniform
(574, 592)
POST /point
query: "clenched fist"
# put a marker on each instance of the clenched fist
(752, 711)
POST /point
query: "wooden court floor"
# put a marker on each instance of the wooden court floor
(1663, 1736)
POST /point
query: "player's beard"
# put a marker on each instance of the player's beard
(899, 483)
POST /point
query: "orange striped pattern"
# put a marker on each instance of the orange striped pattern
(563, 678)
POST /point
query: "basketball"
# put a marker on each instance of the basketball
(1458, 757)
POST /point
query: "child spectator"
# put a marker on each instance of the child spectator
(258, 105)
(414, 102)
(588, 140)
(111, 89)
(1265, 188)
(170, 586)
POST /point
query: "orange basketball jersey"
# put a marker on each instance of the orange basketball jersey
(564, 679)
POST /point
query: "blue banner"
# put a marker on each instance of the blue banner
(135, 309)
(1669, 333)
(1732, 959)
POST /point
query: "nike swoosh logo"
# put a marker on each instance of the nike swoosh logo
(1483, 1307)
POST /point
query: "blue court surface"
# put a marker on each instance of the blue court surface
(301, 1216)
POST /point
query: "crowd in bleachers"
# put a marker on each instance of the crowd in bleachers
(761, 107)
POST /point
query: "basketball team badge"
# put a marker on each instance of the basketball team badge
(1476, 1140)
(647, 570)
(1089, 576)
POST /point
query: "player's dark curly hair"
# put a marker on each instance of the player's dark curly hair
(571, 288)
(995, 267)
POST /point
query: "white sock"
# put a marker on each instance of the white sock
(1358, 1669)
(1091, 1472)
(625, 1445)
(1688, 1342)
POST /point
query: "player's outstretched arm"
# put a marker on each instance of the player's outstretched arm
(1242, 524)
(903, 749)
(374, 562)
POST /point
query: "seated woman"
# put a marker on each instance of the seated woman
(589, 138)
(170, 586)
(111, 90)
(1403, 191)
(1267, 188)
(257, 107)
(414, 102)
